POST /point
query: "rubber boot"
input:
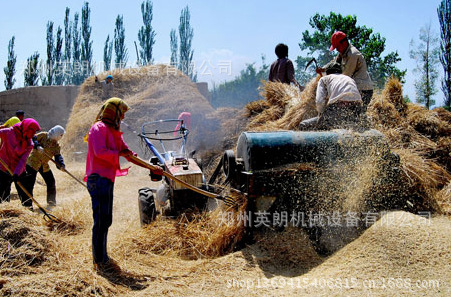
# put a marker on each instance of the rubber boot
(51, 196)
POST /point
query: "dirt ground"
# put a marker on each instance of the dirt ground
(400, 255)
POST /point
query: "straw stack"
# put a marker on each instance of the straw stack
(194, 235)
(285, 107)
(153, 92)
(419, 136)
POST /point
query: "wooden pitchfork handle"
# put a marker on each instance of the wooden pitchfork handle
(57, 164)
(47, 216)
(142, 163)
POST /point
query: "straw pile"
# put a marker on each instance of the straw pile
(24, 243)
(400, 245)
(285, 107)
(420, 137)
(443, 199)
(38, 261)
(72, 221)
(152, 92)
(196, 235)
(288, 252)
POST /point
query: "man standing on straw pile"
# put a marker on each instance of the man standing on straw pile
(105, 146)
(338, 101)
(353, 64)
(16, 147)
(107, 87)
(282, 70)
(47, 146)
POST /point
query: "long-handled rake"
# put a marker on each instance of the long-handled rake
(228, 200)
(65, 170)
(47, 216)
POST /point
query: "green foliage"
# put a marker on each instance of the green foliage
(426, 55)
(31, 73)
(58, 66)
(119, 43)
(186, 53)
(370, 44)
(107, 54)
(10, 68)
(174, 47)
(67, 48)
(86, 43)
(77, 76)
(242, 90)
(444, 16)
(406, 99)
(146, 34)
(50, 58)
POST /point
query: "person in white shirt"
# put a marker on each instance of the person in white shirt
(338, 101)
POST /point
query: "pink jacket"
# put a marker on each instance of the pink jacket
(104, 145)
(15, 148)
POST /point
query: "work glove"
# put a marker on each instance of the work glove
(35, 142)
(61, 166)
(60, 162)
(157, 171)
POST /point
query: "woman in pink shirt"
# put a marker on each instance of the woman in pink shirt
(14, 151)
(105, 146)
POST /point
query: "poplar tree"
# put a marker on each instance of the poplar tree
(50, 52)
(107, 54)
(174, 47)
(426, 54)
(146, 34)
(31, 74)
(119, 43)
(77, 77)
(86, 43)
(10, 68)
(67, 48)
(58, 66)
(186, 36)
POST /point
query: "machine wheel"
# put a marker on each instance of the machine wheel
(146, 204)
(229, 164)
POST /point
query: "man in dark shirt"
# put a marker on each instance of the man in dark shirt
(282, 70)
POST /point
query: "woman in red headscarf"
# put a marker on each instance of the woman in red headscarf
(14, 151)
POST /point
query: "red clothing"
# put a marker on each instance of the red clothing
(186, 117)
(16, 147)
(104, 145)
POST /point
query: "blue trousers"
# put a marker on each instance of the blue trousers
(101, 191)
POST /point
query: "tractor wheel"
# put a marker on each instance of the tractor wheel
(146, 203)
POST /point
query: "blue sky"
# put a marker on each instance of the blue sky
(227, 34)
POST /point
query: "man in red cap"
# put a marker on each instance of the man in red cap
(353, 64)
